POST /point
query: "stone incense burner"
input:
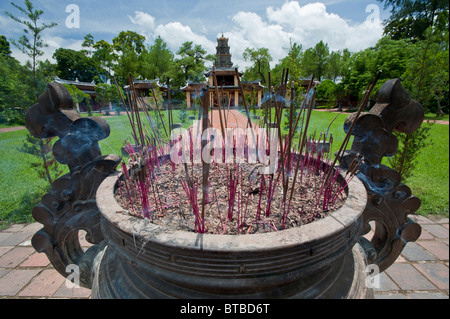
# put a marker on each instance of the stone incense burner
(133, 258)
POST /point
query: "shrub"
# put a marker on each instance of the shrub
(410, 145)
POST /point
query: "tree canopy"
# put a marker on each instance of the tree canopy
(261, 59)
(31, 42)
(411, 18)
(415, 48)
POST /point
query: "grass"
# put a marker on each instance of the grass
(434, 116)
(9, 125)
(430, 181)
(22, 188)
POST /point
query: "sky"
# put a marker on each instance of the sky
(273, 24)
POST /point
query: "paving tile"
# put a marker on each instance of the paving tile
(401, 259)
(436, 230)
(4, 271)
(409, 278)
(439, 219)
(390, 296)
(436, 273)
(15, 280)
(15, 256)
(3, 236)
(5, 249)
(16, 238)
(36, 260)
(414, 252)
(421, 219)
(33, 228)
(386, 284)
(424, 235)
(426, 295)
(26, 243)
(436, 247)
(43, 285)
(14, 228)
(75, 292)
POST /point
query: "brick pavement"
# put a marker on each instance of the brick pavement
(421, 272)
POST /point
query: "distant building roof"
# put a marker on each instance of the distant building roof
(147, 85)
(76, 82)
(86, 87)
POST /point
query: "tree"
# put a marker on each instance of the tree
(158, 60)
(292, 62)
(108, 93)
(129, 45)
(16, 91)
(337, 64)
(315, 60)
(129, 40)
(405, 159)
(31, 42)
(104, 56)
(389, 56)
(190, 66)
(4, 46)
(42, 148)
(74, 65)
(410, 18)
(89, 44)
(47, 72)
(427, 74)
(261, 59)
(327, 90)
(78, 96)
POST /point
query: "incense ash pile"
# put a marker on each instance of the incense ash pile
(239, 201)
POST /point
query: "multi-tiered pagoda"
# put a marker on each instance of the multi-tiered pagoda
(227, 80)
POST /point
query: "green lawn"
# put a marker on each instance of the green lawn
(22, 188)
(433, 116)
(430, 181)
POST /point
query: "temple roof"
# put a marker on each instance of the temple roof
(86, 87)
(76, 82)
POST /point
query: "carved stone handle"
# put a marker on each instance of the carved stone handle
(70, 205)
(389, 201)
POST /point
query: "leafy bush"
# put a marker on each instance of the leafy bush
(327, 90)
(410, 145)
(12, 116)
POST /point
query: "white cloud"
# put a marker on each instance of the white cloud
(53, 43)
(306, 25)
(251, 31)
(175, 34)
(311, 23)
(144, 20)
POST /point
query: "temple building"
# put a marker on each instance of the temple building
(227, 80)
(145, 89)
(88, 88)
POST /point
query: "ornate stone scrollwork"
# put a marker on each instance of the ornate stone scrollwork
(389, 201)
(70, 205)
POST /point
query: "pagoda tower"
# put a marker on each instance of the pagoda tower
(227, 81)
(223, 54)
